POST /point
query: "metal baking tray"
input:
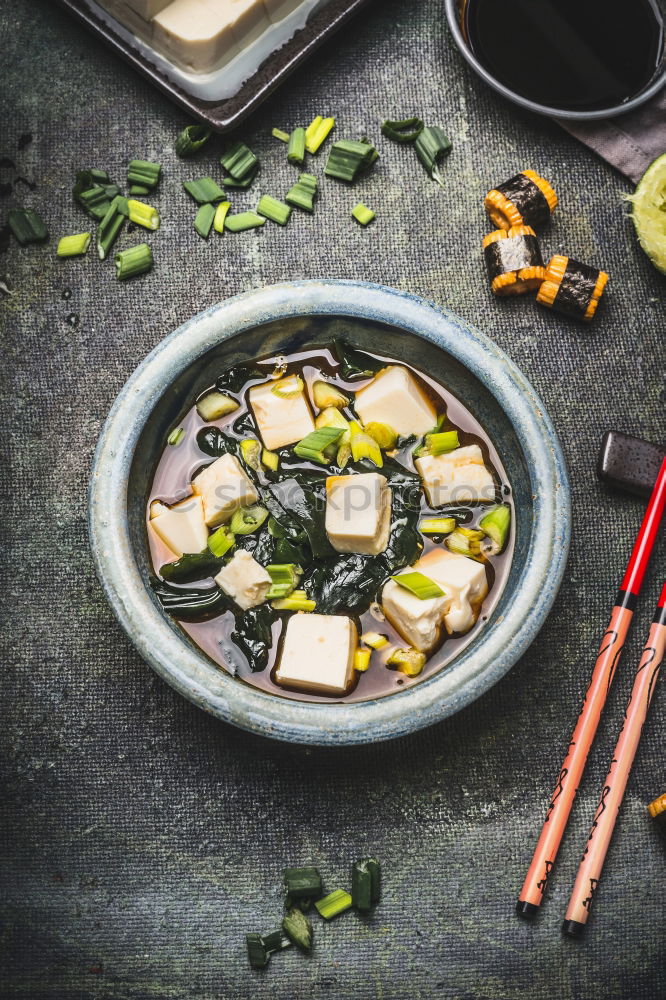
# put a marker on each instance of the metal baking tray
(226, 115)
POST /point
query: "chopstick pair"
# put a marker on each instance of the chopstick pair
(568, 780)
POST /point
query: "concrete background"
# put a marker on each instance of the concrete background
(141, 838)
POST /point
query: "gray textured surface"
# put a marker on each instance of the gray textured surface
(142, 838)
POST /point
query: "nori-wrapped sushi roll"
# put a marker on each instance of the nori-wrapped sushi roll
(525, 199)
(513, 259)
(572, 288)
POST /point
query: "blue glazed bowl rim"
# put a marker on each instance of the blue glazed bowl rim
(186, 668)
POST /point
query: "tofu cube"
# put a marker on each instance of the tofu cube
(281, 420)
(147, 9)
(248, 18)
(130, 15)
(244, 580)
(456, 476)
(358, 513)
(194, 35)
(277, 9)
(182, 527)
(419, 622)
(394, 397)
(318, 654)
(224, 487)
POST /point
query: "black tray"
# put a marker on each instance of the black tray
(225, 115)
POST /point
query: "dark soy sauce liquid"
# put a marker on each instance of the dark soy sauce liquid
(176, 468)
(578, 55)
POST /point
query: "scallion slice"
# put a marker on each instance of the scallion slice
(438, 443)
(362, 213)
(437, 525)
(136, 260)
(143, 215)
(298, 928)
(203, 220)
(242, 221)
(191, 139)
(383, 434)
(143, 173)
(289, 387)
(239, 161)
(232, 182)
(404, 130)
(216, 404)
(27, 226)
(221, 541)
(270, 459)
(348, 158)
(220, 215)
(361, 886)
(418, 584)
(335, 903)
(408, 661)
(204, 190)
(296, 601)
(364, 446)
(274, 210)
(312, 127)
(375, 640)
(362, 660)
(275, 941)
(296, 148)
(302, 194)
(73, 246)
(277, 133)
(302, 883)
(431, 146)
(316, 136)
(313, 446)
(110, 226)
(257, 952)
(251, 452)
(496, 526)
(176, 436)
(245, 520)
(92, 191)
(139, 189)
(285, 577)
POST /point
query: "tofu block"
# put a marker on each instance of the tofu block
(127, 14)
(394, 397)
(194, 35)
(223, 487)
(419, 622)
(244, 580)
(455, 477)
(277, 9)
(147, 9)
(182, 527)
(248, 18)
(281, 420)
(358, 513)
(318, 653)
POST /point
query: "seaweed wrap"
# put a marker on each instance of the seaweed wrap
(513, 259)
(572, 288)
(525, 199)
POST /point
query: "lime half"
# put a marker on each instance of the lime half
(649, 212)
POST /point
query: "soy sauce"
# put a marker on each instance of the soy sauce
(577, 55)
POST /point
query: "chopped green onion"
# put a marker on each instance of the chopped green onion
(232, 182)
(383, 434)
(302, 194)
(362, 213)
(139, 189)
(176, 436)
(405, 130)
(437, 525)
(296, 148)
(314, 137)
(221, 541)
(375, 640)
(27, 226)
(432, 145)
(496, 526)
(438, 443)
(465, 542)
(242, 221)
(314, 444)
(92, 191)
(312, 127)
(275, 941)
(270, 459)
(285, 577)
(348, 158)
(362, 660)
(408, 661)
(419, 585)
(245, 520)
(274, 210)
(73, 246)
(142, 173)
(191, 139)
(144, 215)
(215, 404)
(296, 601)
(277, 133)
(257, 952)
(302, 882)
(375, 869)
(239, 161)
(343, 456)
(251, 452)
(325, 395)
(136, 260)
(335, 903)
(331, 417)
(220, 215)
(289, 387)
(364, 446)
(110, 226)
(204, 190)
(298, 928)
(203, 220)
(361, 886)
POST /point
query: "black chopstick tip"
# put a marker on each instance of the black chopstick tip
(526, 910)
(573, 928)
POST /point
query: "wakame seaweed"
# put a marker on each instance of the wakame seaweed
(211, 441)
(306, 505)
(354, 364)
(253, 635)
(191, 603)
(234, 378)
(347, 583)
(192, 566)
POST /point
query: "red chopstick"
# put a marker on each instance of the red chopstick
(612, 793)
(543, 860)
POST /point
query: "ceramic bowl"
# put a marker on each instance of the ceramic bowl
(279, 319)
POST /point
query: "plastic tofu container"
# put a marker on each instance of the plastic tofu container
(219, 91)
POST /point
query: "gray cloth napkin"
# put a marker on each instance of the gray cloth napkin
(629, 142)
